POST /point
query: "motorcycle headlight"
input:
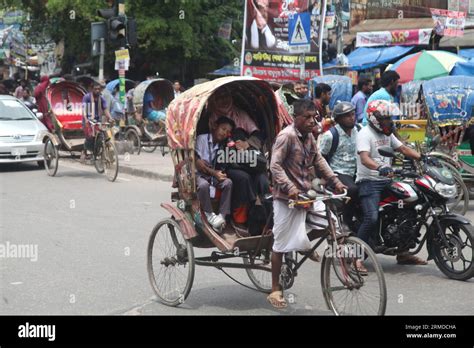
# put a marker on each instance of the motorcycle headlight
(447, 191)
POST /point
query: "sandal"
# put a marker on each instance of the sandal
(277, 300)
(360, 268)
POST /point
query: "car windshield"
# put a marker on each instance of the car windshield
(13, 110)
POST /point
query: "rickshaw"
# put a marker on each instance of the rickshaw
(416, 128)
(449, 103)
(129, 84)
(141, 132)
(66, 135)
(171, 260)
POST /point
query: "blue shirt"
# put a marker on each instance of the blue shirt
(381, 94)
(359, 100)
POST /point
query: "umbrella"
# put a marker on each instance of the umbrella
(425, 65)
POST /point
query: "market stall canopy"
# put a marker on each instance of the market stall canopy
(467, 40)
(387, 24)
(467, 53)
(368, 57)
(425, 65)
(463, 68)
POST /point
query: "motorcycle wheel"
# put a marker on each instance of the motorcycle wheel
(457, 260)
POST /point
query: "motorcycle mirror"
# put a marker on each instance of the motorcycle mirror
(386, 151)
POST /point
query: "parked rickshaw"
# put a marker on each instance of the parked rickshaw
(129, 84)
(341, 88)
(449, 102)
(66, 137)
(170, 256)
(140, 131)
(414, 129)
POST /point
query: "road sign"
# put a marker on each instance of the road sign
(122, 55)
(299, 33)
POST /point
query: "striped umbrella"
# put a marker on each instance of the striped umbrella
(425, 65)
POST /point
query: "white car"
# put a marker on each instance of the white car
(21, 133)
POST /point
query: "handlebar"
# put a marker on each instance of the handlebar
(305, 199)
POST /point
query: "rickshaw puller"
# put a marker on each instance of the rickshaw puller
(295, 162)
(94, 108)
(208, 177)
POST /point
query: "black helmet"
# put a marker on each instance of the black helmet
(342, 108)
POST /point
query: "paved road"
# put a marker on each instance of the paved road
(92, 237)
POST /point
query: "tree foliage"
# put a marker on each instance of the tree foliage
(177, 38)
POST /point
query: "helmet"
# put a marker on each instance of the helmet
(379, 115)
(342, 108)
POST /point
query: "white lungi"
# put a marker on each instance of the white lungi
(289, 228)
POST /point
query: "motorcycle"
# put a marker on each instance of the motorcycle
(416, 201)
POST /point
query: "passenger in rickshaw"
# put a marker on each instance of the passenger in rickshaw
(249, 182)
(209, 177)
(295, 162)
(154, 107)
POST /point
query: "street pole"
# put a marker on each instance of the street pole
(122, 74)
(302, 67)
(340, 28)
(321, 32)
(101, 59)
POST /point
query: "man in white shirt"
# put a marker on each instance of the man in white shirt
(374, 171)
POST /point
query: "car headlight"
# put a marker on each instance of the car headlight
(447, 191)
(40, 135)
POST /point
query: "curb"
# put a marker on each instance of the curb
(145, 173)
(142, 173)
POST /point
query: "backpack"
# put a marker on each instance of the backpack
(335, 142)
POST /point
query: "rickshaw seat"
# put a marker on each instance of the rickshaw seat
(70, 121)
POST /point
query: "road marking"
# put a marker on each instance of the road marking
(123, 179)
(16, 283)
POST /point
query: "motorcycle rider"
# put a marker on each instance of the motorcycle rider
(338, 147)
(374, 171)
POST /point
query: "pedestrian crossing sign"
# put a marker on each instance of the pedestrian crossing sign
(299, 32)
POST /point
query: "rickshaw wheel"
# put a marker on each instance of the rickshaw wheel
(348, 292)
(262, 280)
(132, 136)
(51, 157)
(460, 204)
(170, 263)
(150, 148)
(110, 161)
(98, 154)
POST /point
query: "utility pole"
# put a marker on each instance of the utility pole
(321, 33)
(122, 74)
(101, 59)
(339, 28)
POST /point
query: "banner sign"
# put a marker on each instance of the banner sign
(394, 38)
(266, 47)
(449, 23)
